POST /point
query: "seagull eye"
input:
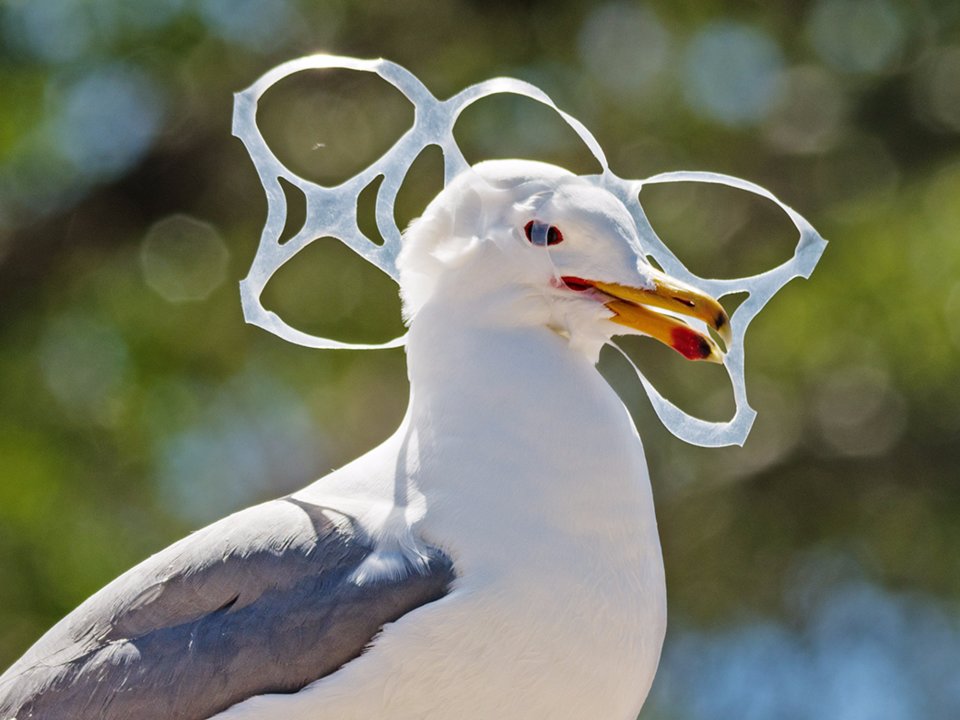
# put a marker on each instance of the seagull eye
(540, 233)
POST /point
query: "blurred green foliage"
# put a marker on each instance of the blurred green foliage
(135, 405)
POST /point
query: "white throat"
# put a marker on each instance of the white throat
(503, 409)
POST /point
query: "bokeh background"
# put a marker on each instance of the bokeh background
(812, 573)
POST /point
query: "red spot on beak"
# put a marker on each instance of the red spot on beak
(689, 344)
(576, 284)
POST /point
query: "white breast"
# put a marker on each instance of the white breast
(559, 608)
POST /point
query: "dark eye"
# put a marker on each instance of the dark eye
(540, 233)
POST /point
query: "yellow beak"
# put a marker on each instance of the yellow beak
(631, 307)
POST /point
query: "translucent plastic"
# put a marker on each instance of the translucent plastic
(332, 212)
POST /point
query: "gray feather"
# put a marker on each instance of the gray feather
(260, 602)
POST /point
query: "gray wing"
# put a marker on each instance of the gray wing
(260, 602)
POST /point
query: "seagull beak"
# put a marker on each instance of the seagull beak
(632, 308)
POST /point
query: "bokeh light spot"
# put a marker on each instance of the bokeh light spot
(859, 412)
(183, 259)
(859, 36)
(50, 30)
(257, 25)
(810, 115)
(625, 47)
(733, 73)
(249, 439)
(108, 119)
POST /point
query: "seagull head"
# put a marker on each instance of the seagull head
(523, 243)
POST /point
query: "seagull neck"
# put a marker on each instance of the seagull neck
(519, 425)
(476, 362)
(493, 385)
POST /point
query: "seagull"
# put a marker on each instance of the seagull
(496, 557)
